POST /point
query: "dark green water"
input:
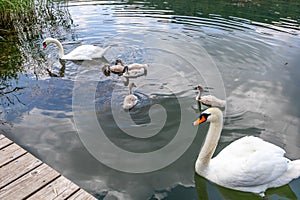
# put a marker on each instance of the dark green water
(246, 52)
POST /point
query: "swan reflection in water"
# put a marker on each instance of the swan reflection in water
(207, 190)
(58, 68)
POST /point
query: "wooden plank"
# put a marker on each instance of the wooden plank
(82, 195)
(22, 176)
(10, 153)
(29, 183)
(1, 136)
(59, 189)
(5, 142)
(17, 168)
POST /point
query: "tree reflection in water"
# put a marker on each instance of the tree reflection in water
(21, 35)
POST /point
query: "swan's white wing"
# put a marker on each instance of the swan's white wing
(85, 52)
(249, 162)
(99, 52)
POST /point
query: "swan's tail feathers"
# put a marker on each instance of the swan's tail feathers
(100, 52)
(292, 172)
(295, 168)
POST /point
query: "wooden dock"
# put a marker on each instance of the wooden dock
(23, 176)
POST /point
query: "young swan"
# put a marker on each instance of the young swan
(130, 100)
(209, 100)
(83, 52)
(136, 70)
(133, 70)
(118, 68)
(137, 66)
(248, 164)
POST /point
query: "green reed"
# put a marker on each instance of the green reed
(14, 10)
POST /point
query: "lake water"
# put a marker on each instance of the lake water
(246, 52)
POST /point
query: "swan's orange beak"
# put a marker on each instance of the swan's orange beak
(44, 45)
(200, 120)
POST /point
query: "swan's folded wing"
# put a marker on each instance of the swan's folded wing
(99, 52)
(80, 53)
(249, 162)
(86, 52)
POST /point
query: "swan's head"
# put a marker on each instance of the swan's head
(46, 41)
(106, 70)
(199, 87)
(44, 44)
(119, 61)
(211, 115)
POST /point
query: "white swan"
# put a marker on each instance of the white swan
(209, 100)
(130, 100)
(248, 164)
(83, 52)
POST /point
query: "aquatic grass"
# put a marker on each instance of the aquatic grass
(15, 5)
(22, 23)
(12, 10)
(13, 13)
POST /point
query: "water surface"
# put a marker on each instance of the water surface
(244, 52)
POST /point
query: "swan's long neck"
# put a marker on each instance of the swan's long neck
(60, 47)
(200, 90)
(199, 95)
(209, 146)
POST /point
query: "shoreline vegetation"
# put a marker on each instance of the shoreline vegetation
(21, 25)
(12, 11)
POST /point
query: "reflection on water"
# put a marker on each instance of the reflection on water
(207, 190)
(248, 58)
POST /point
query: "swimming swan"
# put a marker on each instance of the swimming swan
(130, 100)
(136, 70)
(83, 52)
(133, 70)
(118, 68)
(137, 66)
(209, 100)
(248, 164)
